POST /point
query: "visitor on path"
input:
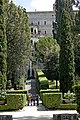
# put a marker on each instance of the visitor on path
(37, 99)
(31, 99)
(34, 100)
(28, 99)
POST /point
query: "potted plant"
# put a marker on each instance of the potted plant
(2, 97)
(69, 97)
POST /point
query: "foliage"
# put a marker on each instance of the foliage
(77, 93)
(47, 91)
(21, 84)
(60, 5)
(52, 100)
(69, 95)
(40, 73)
(52, 84)
(43, 81)
(68, 106)
(51, 66)
(66, 60)
(3, 46)
(8, 84)
(14, 102)
(18, 43)
(16, 92)
(45, 46)
(77, 43)
(47, 52)
(2, 95)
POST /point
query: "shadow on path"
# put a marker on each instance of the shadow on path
(41, 117)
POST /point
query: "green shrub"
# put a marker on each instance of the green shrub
(2, 95)
(68, 106)
(77, 93)
(9, 84)
(44, 84)
(47, 91)
(42, 81)
(52, 100)
(14, 102)
(52, 84)
(40, 73)
(21, 83)
(16, 91)
(69, 95)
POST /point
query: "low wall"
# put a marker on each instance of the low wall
(65, 117)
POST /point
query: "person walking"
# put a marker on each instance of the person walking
(31, 99)
(28, 99)
(34, 100)
(37, 99)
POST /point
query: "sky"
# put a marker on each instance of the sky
(38, 5)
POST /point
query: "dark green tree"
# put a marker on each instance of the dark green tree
(18, 38)
(51, 66)
(60, 4)
(66, 53)
(47, 52)
(3, 46)
(44, 47)
(77, 43)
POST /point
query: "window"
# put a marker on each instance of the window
(34, 31)
(45, 32)
(31, 30)
(44, 22)
(39, 32)
(38, 23)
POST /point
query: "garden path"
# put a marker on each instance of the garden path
(35, 112)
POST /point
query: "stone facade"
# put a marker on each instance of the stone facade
(41, 23)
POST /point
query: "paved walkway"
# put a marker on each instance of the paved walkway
(35, 112)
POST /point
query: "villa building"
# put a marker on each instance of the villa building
(41, 23)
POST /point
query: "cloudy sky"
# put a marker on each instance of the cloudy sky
(39, 5)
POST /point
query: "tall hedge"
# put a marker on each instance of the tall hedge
(77, 92)
(66, 54)
(3, 46)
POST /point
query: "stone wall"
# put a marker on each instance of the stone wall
(65, 117)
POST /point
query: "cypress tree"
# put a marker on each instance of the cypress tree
(66, 53)
(3, 46)
(77, 44)
(60, 4)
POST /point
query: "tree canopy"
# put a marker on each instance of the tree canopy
(66, 53)
(3, 46)
(47, 52)
(18, 43)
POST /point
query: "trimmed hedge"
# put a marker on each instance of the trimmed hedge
(47, 91)
(52, 100)
(77, 93)
(40, 73)
(42, 81)
(44, 84)
(68, 106)
(14, 102)
(52, 85)
(16, 91)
